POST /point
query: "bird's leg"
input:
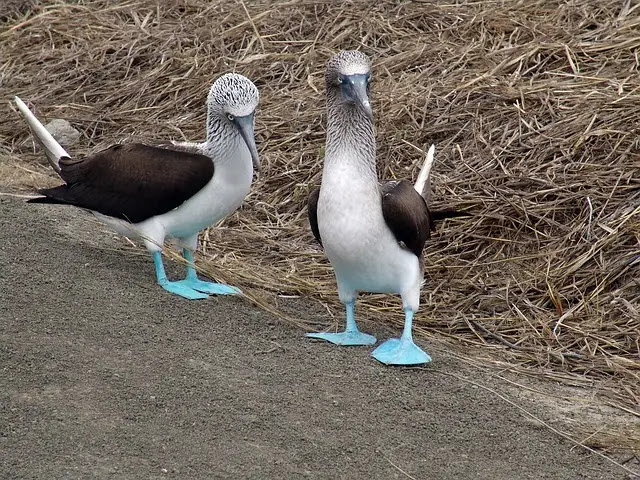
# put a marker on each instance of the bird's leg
(174, 287)
(351, 334)
(192, 280)
(402, 351)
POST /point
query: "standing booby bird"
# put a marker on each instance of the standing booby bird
(372, 234)
(168, 191)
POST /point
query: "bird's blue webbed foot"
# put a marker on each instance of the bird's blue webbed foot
(401, 351)
(345, 338)
(192, 280)
(179, 288)
(182, 289)
(209, 287)
(351, 335)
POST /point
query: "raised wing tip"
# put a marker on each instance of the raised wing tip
(43, 137)
(423, 184)
(430, 156)
(21, 105)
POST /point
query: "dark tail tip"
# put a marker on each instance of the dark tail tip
(40, 200)
(448, 213)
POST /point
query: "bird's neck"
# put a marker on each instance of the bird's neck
(224, 143)
(219, 132)
(229, 153)
(350, 137)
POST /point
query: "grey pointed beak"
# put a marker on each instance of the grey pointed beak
(245, 127)
(355, 90)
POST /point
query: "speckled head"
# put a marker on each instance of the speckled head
(232, 103)
(345, 64)
(233, 94)
(350, 72)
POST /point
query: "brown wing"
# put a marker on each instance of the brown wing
(132, 181)
(406, 214)
(312, 212)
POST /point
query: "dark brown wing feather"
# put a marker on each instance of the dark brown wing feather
(132, 182)
(312, 212)
(447, 213)
(406, 214)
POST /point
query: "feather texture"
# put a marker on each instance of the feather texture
(122, 181)
(407, 215)
(312, 212)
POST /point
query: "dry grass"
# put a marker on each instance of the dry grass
(534, 108)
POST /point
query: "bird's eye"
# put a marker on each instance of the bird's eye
(340, 80)
(230, 117)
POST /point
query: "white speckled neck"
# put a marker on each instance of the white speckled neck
(350, 136)
(223, 139)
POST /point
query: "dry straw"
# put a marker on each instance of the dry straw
(534, 108)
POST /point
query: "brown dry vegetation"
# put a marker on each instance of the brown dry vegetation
(534, 108)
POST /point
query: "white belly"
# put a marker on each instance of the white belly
(362, 250)
(221, 196)
(214, 202)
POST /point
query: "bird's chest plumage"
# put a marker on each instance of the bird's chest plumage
(223, 194)
(349, 217)
(355, 237)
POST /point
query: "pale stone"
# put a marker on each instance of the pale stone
(62, 131)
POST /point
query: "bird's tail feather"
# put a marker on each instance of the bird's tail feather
(448, 213)
(52, 149)
(423, 187)
(423, 183)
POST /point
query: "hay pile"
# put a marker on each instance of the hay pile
(534, 108)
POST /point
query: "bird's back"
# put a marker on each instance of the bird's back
(132, 182)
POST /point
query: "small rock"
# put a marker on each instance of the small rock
(62, 131)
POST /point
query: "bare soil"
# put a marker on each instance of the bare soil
(105, 375)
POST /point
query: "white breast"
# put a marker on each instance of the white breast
(220, 197)
(362, 250)
(224, 193)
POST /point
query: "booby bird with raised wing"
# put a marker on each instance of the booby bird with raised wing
(168, 191)
(373, 234)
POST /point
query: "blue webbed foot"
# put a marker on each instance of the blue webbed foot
(210, 287)
(345, 338)
(400, 351)
(351, 335)
(183, 290)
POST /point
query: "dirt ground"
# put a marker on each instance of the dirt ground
(105, 375)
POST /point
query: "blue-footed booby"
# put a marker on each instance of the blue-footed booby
(172, 190)
(372, 233)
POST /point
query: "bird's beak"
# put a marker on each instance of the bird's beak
(245, 126)
(355, 90)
